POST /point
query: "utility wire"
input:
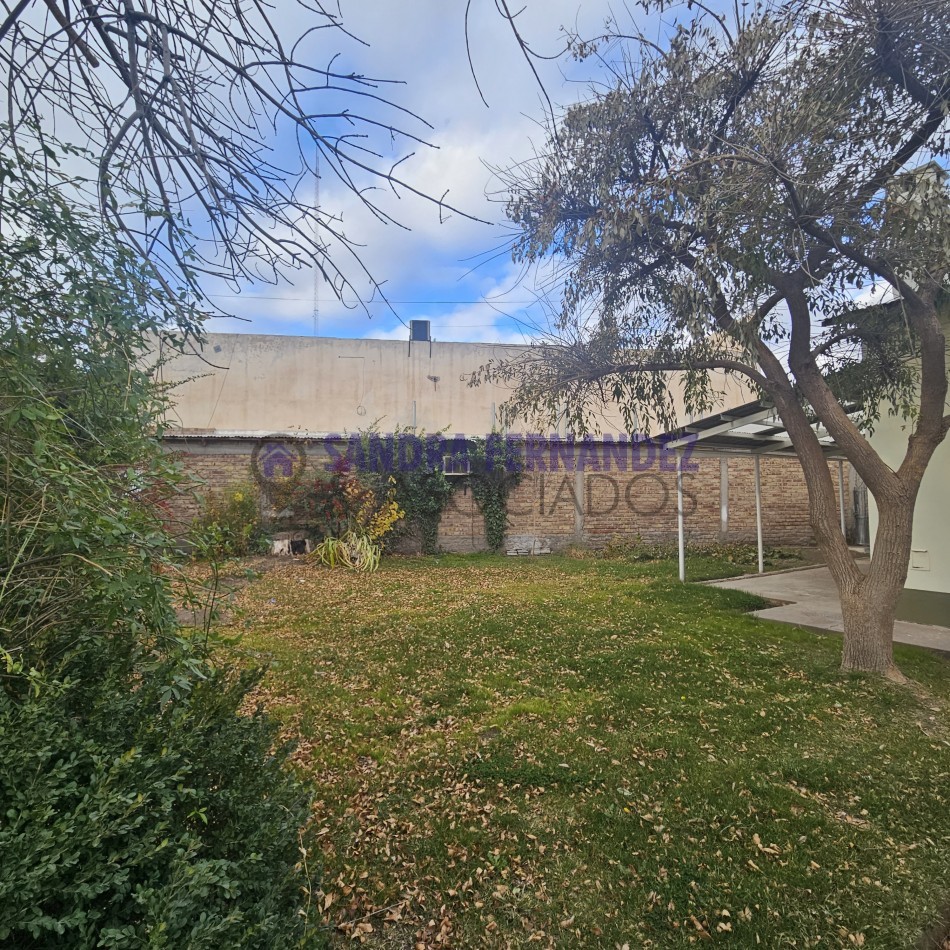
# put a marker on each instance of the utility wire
(441, 303)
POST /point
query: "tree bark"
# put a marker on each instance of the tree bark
(868, 601)
(868, 614)
(868, 607)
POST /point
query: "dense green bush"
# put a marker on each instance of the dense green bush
(134, 817)
(231, 525)
(138, 806)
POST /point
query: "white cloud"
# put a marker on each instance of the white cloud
(422, 43)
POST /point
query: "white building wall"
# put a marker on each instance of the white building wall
(930, 562)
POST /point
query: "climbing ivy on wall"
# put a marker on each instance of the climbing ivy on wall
(411, 463)
(496, 468)
(405, 461)
(423, 494)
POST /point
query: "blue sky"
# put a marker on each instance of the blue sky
(449, 271)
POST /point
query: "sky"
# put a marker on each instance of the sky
(454, 271)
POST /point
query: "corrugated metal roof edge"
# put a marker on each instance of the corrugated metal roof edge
(251, 435)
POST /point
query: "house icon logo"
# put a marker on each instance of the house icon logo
(277, 462)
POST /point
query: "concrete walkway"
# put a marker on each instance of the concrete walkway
(809, 598)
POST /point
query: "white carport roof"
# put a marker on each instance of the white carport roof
(753, 429)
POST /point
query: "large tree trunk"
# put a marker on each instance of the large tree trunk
(869, 602)
(869, 627)
(868, 615)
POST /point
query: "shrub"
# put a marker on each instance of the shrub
(137, 806)
(231, 525)
(142, 809)
(339, 501)
(355, 551)
(350, 515)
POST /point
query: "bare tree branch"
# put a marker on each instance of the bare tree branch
(196, 104)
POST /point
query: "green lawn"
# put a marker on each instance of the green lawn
(580, 752)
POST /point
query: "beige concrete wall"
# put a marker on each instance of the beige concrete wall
(250, 382)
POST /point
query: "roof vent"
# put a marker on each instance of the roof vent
(419, 331)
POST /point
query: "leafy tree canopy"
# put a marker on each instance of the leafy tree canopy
(760, 192)
(782, 151)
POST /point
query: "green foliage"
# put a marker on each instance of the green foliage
(496, 469)
(231, 525)
(139, 808)
(81, 470)
(339, 502)
(355, 550)
(740, 163)
(420, 490)
(142, 809)
(423, 494)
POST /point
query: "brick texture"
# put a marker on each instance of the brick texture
(610, 499)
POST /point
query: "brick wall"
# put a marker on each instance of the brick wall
(462, 528)
(208, 472)
(560, 504)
